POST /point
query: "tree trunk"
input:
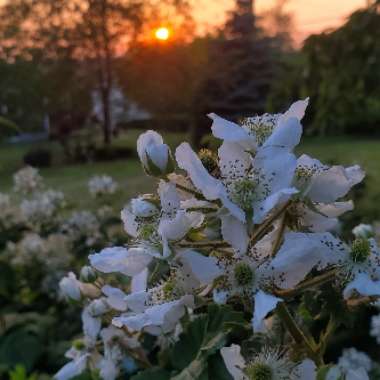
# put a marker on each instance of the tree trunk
(106, 115)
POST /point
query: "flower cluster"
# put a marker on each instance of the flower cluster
(249, 227)
(27, 180)
(102, 185)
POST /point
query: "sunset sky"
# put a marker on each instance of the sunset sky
(309, 15)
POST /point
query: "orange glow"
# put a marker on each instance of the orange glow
(162, 34)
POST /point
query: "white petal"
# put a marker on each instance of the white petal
(139, 281)
(159, 154)
(115, 297)
(91, 325)
(72, 369)
(177, 228)
(137, 301)
(119, 259)
(362, 284)
(202, 180)
(357, 374)
(234, 361)
(297, 109)
(300, 253)
(220, 296)
(156, 319)
(226, 130)
(262, 209)
(146, 139)
(108, 369)
(307, 370)
(333, 210)
(233, 159)
(235, 233)
(264, 304)
(333, 184)
(204, 269)
(169, 197)
(287, 134)
(130, 223)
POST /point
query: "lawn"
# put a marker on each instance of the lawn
(72, 179)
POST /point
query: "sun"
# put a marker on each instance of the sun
(162, 34)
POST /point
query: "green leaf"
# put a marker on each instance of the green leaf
(20, 347)
(202, 338)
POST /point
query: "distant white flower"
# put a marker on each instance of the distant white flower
(70, 287)
(82, 225)
(375, 328)
(102, 185)
(363, 230)
(43, 207)
(154, 154)
(27, 180)
(5, 201)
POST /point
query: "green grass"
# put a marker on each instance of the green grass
(72, 179)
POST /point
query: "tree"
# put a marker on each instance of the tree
(240, 71)
(92, 34)
(339, 70)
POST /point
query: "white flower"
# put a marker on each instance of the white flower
(102, 185)
(354, 359)
(324, 184)
(82, 225)
(119, 259)
(154, 154)
(157, 319)
(267, 365)
(43, 207)
(353, 365)
(248, 186)
(280, 131)
(363, 230)
(70, 287)
(246, 276)
(27, 180)
(359, 264)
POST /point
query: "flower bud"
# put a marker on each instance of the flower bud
(87, 274)
(143, 208)
(154, 154)
(363, 231)
(70, 287)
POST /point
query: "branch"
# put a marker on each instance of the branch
(262, 229)
(319, 280)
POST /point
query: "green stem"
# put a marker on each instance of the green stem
(280, 234)
(204, 244)
(296, 332)
(262, 229)
(316, 281)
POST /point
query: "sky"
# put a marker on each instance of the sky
(310, 16)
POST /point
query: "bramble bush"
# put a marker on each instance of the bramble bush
(233, 267)
(42, 236)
